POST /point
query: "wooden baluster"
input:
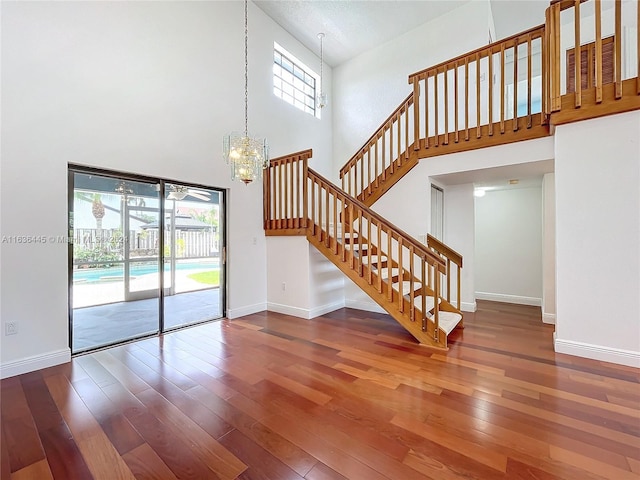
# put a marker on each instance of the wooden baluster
(578, 57)
(399, 159)
(416, 113)
(370, 249)
(369, 170)
(344, 212)
(327, 218)
(356, 192)
(320, 211)
(401, 277)
(375, 150)
(412, 294)
(360, 233)
(502, 88)
(344, 188)
(436, 106)
(618, 47)
(406, 132)
(446, 106)
(466, 98)
(515, 84)
(458, 292)
(389, 266)
(555, 58)
(546, 92)
(312, 227)
(291, 193)
(390, 128)
(384, 157)
(490, 87)
(478, 131)
(598, 51)
(448, 280)
(426, 111)
(529, 75)
(378, 250)
(298, 194)
(351, 242)
(305, 195)
(455, 93)
(283, 214)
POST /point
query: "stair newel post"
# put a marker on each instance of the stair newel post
(436, 297)
(378, 250)
(400, 277)
(266, 198)
(423, 261)
(458, 293)
(448, 275)
(416, 113)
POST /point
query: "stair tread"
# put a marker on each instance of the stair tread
(406, 287)
(385, 273)
(417, 301)
(447, 321)
(374, 259)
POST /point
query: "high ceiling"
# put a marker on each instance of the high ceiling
(355, 26)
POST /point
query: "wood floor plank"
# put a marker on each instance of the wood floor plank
(348, 395)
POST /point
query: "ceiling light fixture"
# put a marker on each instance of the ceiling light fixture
(479, 192)
(246, 155)
(321, 99)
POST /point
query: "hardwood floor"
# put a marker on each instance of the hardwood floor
(348, 395)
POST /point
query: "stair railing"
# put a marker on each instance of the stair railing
(452, 258)
(347, 228)
(492, 90)
(385, 151)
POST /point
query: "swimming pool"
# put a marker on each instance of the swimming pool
(95, 275)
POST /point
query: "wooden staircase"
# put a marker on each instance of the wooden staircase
(403, 276)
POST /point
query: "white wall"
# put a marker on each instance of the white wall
(598, 238)
(301, 281)
(369, 87)
(549, 248)
(141, 87)
(508, 248)
(459, 234)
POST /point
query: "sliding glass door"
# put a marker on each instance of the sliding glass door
(146, 257)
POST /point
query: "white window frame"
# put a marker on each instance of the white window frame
(291, 81)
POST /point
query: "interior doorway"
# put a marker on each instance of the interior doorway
(146, 256)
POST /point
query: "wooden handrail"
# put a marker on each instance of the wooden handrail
(442, 249)
(405, 103)
(407, 239)
(301, 155)
(492, 48)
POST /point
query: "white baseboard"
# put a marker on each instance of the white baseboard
(330, 307)
(246, 310)
(501, 297)
(468, 306)
(36, 362)
(305, 313)
(364, 305)
(549, 318)
(598, 352)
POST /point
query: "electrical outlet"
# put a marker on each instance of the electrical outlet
(10, 328)
(284, 286)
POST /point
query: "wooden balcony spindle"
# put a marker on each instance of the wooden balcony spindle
(490, 88)
(401, 278)
(556, 103)
(618, 47)
(327, 218)
(478, 131)
(360, 233)
(378, 250)
(436, 307)
(529, 77)
(375, 153)
(390, 128)
(389, 265)
(384, 157)
(423, 261)
(516, 45)
(598, 27)
(577, 57)
(455, 93)
(436, 106)
(502, 88)
(466, 98)
(446, 106)
(406, 132)
(412, 293)
(426, 111)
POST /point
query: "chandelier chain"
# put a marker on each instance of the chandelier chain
(246, 70)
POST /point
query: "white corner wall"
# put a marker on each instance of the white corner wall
(148, 88)
(598, 238)
(508, 249)
(549, 248)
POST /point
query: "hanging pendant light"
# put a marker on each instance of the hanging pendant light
(321, 99)
(246, 155)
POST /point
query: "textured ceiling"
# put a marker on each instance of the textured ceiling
(355, 26)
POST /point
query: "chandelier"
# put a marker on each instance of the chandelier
(247, 156)
(321, 99)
